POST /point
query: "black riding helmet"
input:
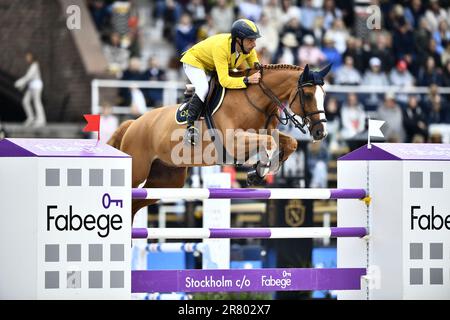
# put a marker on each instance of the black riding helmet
(245, 29)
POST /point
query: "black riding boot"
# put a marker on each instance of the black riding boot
(194, 110)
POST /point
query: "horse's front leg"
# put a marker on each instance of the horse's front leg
(288, 145)
(247, 145)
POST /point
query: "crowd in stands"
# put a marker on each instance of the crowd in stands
(410, 48)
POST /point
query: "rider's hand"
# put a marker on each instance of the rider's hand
(254, 78)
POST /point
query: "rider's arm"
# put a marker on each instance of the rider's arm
(220, 58)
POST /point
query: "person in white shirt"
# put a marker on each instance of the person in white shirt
(32, 83)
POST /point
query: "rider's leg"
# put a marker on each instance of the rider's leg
(199, 79)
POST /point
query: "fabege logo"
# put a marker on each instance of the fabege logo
(429, 221)
(74, 222)
(73, 21)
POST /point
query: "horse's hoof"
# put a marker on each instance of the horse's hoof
(253, 178)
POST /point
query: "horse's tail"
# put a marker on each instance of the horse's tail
(116, 138)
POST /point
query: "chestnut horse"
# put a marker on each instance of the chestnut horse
(152, 138)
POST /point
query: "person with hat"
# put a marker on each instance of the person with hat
(219, 53)
(400, 76)
(377, 78)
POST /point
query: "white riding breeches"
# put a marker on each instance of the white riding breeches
(199, 79)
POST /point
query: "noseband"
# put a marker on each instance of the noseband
(306, 116)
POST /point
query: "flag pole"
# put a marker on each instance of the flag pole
(369, 146)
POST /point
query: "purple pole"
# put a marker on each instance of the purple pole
(217, 193)
(348, 193)
(138, 193)
(139, 233)
(240, 233)
(348, 232)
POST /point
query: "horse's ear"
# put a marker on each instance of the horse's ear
(325, 70)
(305, 74)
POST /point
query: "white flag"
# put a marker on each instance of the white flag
(374, 128)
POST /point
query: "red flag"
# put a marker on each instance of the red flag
(93, 123)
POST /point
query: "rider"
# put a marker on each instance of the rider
(219, 53)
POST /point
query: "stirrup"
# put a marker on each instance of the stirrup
(192, 135)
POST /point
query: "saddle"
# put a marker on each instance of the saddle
(214, 99)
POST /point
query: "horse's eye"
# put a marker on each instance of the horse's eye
(308, 96)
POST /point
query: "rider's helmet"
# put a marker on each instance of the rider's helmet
(244, 29)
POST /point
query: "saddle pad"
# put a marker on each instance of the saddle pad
(215, 103)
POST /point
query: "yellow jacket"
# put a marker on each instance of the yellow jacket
(218, 53)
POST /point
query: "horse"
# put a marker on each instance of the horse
(150, 139)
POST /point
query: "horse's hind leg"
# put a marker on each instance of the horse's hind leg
(160, 176)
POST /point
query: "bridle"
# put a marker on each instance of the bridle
(306, 120)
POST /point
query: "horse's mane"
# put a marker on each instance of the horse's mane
(281, 66)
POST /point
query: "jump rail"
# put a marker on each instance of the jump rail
(244, 193)
(240, 233)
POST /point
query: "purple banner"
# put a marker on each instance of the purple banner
(258, 280)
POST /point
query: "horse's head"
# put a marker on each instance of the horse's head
(307, 101)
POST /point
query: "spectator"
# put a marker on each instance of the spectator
(383, 51)
(289, 11)
(32, 83)
(197, 11)
(333, 122)
(435, 14)
(309, 53)
(250, 9)
(116, 55)
(347, 74)
(354, 50)
(185, 36)
(446, 74)
(400, 76)
(274, 14)
(429, 74)
(308, 14)
(391, 112)
(318, 164)
(138, 105)
(108, 123)
(133, 72)
(332, 55)
(154, 72)
(442, 36)
(374, 77)
(339, 34)
(331, 13)
(222, 16)
(438, 112)
(287, 50)
(445, 58)
(207, 29)
(414, 120)
(271, 38)
(414, 12)
(403, 41)
(353, 117)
